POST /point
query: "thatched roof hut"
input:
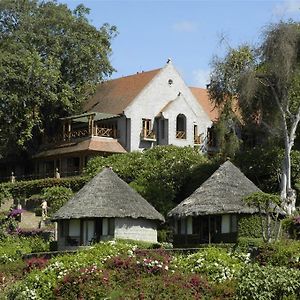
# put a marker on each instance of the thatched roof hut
(221, 194)
(107, 196)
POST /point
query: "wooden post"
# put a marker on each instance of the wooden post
(69, 130)
(64, 130)
(92, 125)
(209, 234)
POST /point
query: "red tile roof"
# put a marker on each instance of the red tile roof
(203, 98)
(115, 95)
(97, 144)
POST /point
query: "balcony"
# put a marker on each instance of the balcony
(197, 139)
(148, 135)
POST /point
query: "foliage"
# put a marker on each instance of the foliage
(292, 226)
(265, 84)
(41, 42)
(269, 207)
(56, 196)
(4, 194)
(158, 174)
(282, 254)
(117, 270)
(215, 263)
(249, 226)
(14, 247)
(35, 263)
(25, 189)
(262, 165)
(268, 283)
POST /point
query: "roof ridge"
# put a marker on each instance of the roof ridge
(131, 75)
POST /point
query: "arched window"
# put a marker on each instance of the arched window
(181, 126)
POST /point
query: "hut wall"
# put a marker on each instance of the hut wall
(136, 229)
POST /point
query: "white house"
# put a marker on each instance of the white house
(131, 113)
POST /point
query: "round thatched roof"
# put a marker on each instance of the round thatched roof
(107, 196)
(222, 193)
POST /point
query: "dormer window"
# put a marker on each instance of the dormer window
(181, 126)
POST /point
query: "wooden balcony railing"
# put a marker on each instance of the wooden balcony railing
(197, 139)
(181, 135)
(106, 132)
(148, 135)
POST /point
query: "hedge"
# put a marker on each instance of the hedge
(24, 189)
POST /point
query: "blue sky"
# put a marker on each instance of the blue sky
(188, 32)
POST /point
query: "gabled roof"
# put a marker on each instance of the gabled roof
(97, 144)
(107, 196)
(222, 193)
(115, 95)
(203, 98)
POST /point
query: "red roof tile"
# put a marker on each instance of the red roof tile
(115, 95)
(203, 98)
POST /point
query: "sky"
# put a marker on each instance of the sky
(187, 32)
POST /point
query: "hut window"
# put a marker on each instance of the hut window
(181, 126)
(111, 226)
(189, 225)
(105, 226)
(225, 223)
(74, 227)
(229, 223)
(64, 228)
(233, 223)
(182, 226)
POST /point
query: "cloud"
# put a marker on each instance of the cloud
(201, 77)
(185, 26)
(287, 7)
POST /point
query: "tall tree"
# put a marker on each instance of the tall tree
(266, 83)
(50, 60)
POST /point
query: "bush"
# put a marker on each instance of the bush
(215, 263)
(56, 196)
(250, 227)
(268, 283)
(284, 253)
(158, 174)
(25, 189)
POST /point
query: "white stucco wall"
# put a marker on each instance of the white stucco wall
(154, 97)
(136, 229)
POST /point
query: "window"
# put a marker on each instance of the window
(181, 127)
(229, 223)
(147, 132)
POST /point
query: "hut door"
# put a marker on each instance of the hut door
(88, 231)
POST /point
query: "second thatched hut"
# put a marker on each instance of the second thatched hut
(211, 213)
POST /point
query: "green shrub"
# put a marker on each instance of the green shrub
(56, 196)
(250, 226)
(215, 263)
(268, 283)
(25, 189)
(283, 253)
(158, 174)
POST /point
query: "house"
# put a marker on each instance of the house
(130, 113)
(212, 212)
(105, 208)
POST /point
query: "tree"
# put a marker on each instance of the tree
(265, 81)
(50, 60)
(268, 206)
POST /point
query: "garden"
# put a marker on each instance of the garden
(135, 270)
